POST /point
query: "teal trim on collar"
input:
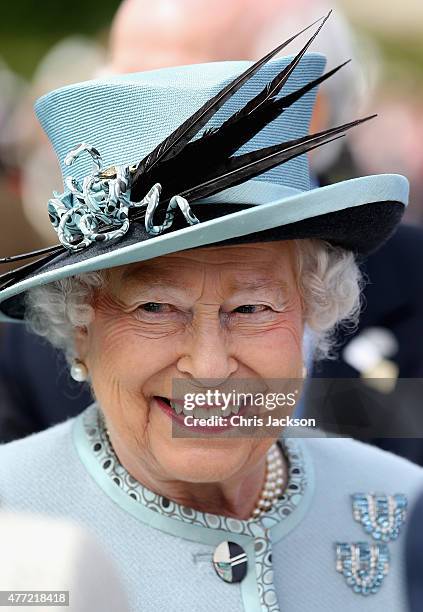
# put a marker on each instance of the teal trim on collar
(249, 586)
(281, 529)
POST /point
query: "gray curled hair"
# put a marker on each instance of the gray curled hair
(328, 277)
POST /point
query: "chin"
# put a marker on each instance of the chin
(202, 462)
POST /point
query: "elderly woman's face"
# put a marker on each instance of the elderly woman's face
(211, 313)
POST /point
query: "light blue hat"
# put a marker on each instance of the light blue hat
(129, 160)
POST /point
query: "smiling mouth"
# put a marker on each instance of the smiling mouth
(179, 408)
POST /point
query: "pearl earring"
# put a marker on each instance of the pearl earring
(305, 372)
(79, 371)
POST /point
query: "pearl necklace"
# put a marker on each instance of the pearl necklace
(273, 486)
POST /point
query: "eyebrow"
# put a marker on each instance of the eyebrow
(152, 279)
(257, 284)
(149, 277)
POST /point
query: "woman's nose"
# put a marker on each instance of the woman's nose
(207, 355)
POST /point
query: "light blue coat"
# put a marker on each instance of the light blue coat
(165, 560)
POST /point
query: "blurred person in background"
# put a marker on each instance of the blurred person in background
(13, 89)
(50, 557)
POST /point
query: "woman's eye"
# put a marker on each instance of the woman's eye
(251, 308)
(154, 307)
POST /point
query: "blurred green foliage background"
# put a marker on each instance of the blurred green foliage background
(29, 28)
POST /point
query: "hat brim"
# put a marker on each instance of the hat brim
(358, 214)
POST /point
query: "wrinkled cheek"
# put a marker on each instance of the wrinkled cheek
(122, 359)
(106, 349)
(118, 378)
(112, 360)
